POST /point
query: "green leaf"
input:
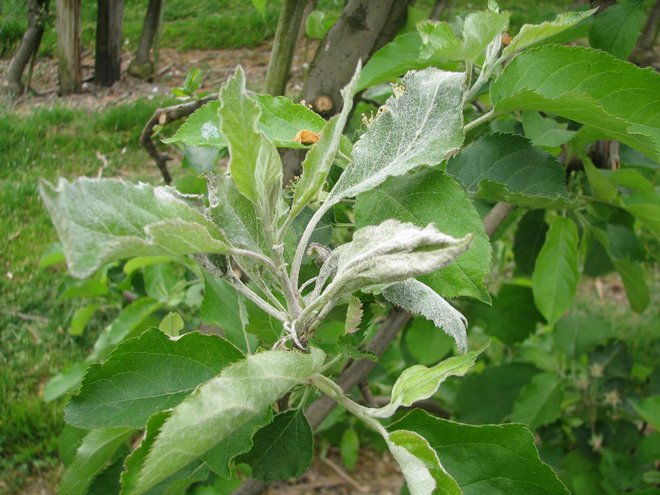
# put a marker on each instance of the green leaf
(93, 455)
(67, 379)
(488, 397)
(631, 179)
(102, 220)
(130, 320)
(222, 307)
(421, 127)
(577, 336)
(349, 448)
(52, 256)
(321, 155)
(486, 459)
(202, 128)
(649, 410)
(539, 402)
(172, 324)
(529, 240)
(281, 119)
(479, 29)
(255, 165)
(617, 28)
(420, 299)
(531, 34)
(260, 5)
(397, 57)
(419, 382)
(513, 315)
(602, 188)
(588, 86)
(281, 450)
(145, 375)
(544, 131)
(239, 442)
(222, 405)
(506, 167)
(319, 23)
(439, 39)
(426, 345)
(431, 196)
(555, 277)
(646, 209)
(633, 277)
(420, 464)
(172, 485)
(81, 318)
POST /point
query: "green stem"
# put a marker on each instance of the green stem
(480, 120)
(335, 392)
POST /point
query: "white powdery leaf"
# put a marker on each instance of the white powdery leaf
(103, 220)
(421, 127)
(391, 252)
(210, 130)
(420, 299)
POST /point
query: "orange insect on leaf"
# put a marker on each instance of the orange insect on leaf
(307, 137)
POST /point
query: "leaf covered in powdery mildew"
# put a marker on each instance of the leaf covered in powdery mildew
(103, 220)
(420, 127)
(391, 252)
(420, 299)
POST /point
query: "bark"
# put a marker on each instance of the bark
(364, 27)
(142, 66)
(68, 46)
(650, 32)
(37, 13)
(284, 45)
(438, 9)
(108, 42)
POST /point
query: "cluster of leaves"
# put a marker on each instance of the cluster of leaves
(290, 317)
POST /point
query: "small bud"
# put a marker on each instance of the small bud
(506, 39)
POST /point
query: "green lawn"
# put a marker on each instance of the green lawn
(46, 144)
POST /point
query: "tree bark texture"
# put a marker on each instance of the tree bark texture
(142, 66)
(364, 27)
(284, 45)
(68, 46)
(37, 13)
(107, 65)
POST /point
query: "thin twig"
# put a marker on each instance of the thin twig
(164, 116)
(344, 475)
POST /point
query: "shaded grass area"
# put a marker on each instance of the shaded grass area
(188, 24)
(47, 143)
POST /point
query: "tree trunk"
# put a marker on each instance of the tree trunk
(108, 42)
(284, 45)
(37, 14)
(68, 46)
(142, 66)
(364, 27)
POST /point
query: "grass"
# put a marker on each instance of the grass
(45, 144)
(188, 24)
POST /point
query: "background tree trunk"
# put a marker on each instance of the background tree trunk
(37, 13)
(364, 27)
(68, 46)
(107, 65)
(142, 66)
(284, 45)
